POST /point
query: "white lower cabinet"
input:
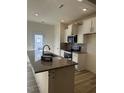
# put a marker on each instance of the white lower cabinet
(56, 81)
(79, 58)
(42, 81)
(62, 53)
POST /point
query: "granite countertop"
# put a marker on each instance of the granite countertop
(41, 66)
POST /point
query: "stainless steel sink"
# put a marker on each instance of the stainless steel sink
(50, 54)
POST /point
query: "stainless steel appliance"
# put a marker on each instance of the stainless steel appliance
(67, 55)
(72, 39)
(76, 47)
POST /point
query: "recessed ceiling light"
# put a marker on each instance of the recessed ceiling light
(62, 20)
(36, 14)
(61, 5)
(84, 9)
(79, 0)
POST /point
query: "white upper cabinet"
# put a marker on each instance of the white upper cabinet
(88, 26)
(93, 29)
(62, 53)
(72, 29)
(67, 33)
(69, 29)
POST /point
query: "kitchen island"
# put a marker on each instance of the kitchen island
(52, 77)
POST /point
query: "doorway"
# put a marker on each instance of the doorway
(38, 45)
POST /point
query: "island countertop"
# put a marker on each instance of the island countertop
(41, 66)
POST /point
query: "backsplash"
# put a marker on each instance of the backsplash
(67, 46)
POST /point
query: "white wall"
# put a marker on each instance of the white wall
(58, 36)
(57, 39)
(91, 50)
(37, 28)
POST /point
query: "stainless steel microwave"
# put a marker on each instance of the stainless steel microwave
(72, 39)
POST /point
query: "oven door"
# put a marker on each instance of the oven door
(72, 39)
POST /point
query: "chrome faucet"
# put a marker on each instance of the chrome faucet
(44, 48)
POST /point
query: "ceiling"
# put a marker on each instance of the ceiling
(92, 1)
(49, 13)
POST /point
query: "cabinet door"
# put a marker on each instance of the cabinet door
(93, 28)
(69, 30)
(75, 57)
(80, 39)
(74, 29)
(86, 26)
(42, 81)
(81, 61)
(61, 80)
(62, 53)
(66, 35)
(52, 76)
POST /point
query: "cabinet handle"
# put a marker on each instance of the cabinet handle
(52, 75)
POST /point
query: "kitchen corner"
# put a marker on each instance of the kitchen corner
(58, 74)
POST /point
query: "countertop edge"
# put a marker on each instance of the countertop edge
(54, 68)
(57, 67)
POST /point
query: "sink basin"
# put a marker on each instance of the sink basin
(50, 54)
(46, 58)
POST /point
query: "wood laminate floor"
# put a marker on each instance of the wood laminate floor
(85, 82)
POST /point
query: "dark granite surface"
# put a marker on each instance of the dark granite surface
(40, 66)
